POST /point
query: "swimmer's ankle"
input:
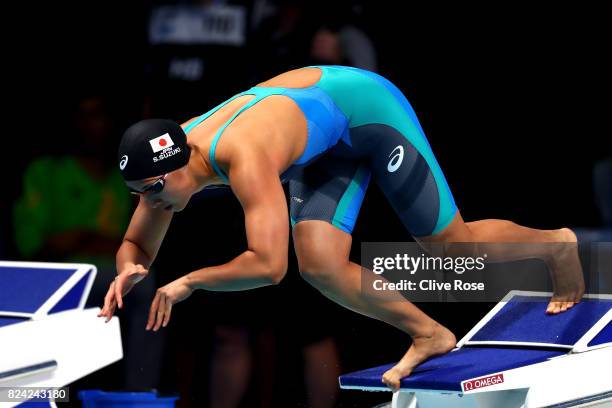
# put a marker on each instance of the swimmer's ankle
(426, 331)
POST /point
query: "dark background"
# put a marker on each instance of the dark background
(513, 100)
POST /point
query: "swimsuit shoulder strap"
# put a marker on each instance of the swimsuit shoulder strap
(260, 93)
(206, 115)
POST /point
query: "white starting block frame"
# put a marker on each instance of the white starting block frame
(59, 341)
(578, 375)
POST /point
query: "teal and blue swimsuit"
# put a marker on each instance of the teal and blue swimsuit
(360, 126)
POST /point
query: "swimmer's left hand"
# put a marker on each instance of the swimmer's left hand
(165, 298)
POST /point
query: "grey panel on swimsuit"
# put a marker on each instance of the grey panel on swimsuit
(411, 189)
(316, 189)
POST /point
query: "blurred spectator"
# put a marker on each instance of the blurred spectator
(76, 208)
(281, 41)
(296, 33)
(345, 45)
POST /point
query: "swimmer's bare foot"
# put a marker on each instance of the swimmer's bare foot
(566, 272)
(440, 340)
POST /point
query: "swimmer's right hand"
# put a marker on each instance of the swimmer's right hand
(130, 275)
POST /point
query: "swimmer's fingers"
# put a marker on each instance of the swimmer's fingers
(111, 310)
(161, 311)
(165, 298)
(153, 310)
(109, 303)
(106, 302)
(120, 283)
(167, 314)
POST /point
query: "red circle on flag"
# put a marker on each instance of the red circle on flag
(162, 142)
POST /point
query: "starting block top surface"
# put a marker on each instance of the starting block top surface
(523, 320)
(35, 289)
(515, 333)
(447, 371)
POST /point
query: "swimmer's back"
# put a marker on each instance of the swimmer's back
(275, 122)
(297, 78)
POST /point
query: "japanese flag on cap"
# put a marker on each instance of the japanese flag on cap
(161, 142)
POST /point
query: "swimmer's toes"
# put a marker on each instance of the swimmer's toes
(393, 376)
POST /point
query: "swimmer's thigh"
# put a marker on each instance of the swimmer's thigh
(386, 133)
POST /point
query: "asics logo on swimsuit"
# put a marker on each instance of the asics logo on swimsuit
(396, 159)
(123, 162)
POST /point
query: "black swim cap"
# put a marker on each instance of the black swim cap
(152, 147)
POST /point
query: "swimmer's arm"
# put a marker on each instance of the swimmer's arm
(136, 253)
(144, 236)
(255, 182)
